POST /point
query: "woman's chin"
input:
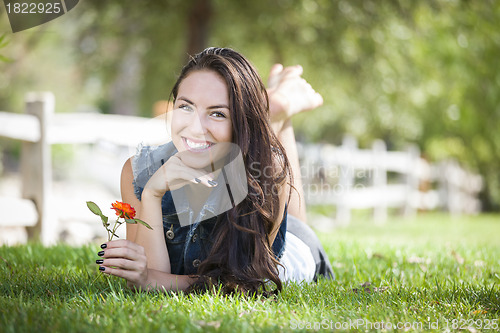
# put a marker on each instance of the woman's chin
(207, 159)
(195, 161)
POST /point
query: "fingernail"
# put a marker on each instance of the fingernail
(100, 253)
(212, 182)
(102, 268)
(103, 246)
(99, 261)
(197, 180)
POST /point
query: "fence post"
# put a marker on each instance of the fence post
(412, 181)
(36, 168)
(452, 179)
(346, 181)
(379, 149)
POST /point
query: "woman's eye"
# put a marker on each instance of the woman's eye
(218, 114)
(186, 107)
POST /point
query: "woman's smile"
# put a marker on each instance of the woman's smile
(197, 146)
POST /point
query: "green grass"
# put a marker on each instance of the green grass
(432, 272)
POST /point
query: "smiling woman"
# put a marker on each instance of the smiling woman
(219, 197)
(201, 118)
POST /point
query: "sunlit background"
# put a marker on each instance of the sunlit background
(422, 73)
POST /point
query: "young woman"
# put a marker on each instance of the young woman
(221, 197)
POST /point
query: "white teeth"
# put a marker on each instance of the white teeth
(195, 145)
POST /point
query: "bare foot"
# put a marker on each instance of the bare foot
(289, 94)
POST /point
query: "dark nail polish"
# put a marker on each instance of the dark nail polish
(197, 180)
(100, 253)
(103, 246)
(100, 261)
(212, 182)
(102, 268)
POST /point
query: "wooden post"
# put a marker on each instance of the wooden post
(346, 180)
(453, 179)
(36, 168)
(412, 180)
(379, 149)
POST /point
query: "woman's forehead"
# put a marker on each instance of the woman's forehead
(204, 83)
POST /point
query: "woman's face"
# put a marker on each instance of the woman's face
(201, 122)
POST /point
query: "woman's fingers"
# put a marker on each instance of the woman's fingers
(122, 243)
(182, 174)
(124, 254)
(124, 264)
(125, 259)
(121, 252)
(185, 176)
(175, 174)
(129, 275)
(207, 180)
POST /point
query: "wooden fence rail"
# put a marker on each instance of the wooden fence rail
(345, 176)
(352, 178)
(38, 129)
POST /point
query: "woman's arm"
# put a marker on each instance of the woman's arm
(170, 176)
(148, 210)
(143, 258)
(128, 196)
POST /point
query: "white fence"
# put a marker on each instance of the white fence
(347, 177)
(38, 129)
(352, 178)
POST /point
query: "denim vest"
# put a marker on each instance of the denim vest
(187, 245)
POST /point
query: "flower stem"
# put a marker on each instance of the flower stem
(115, 226)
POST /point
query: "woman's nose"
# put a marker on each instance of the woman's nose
(197, 125)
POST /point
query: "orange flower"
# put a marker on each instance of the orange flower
(123, 209)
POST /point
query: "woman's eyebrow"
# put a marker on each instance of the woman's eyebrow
(186, 100)
(222, 106)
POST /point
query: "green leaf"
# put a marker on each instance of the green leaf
(104, 220)
(5, 59)
(131, 221)
(94, 208)
(3, 41)
(143, 223)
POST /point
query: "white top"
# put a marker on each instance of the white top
(298, 261)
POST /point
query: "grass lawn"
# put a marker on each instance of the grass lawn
(431, 273)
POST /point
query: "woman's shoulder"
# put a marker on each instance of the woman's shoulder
(155, 151)
(148, 159)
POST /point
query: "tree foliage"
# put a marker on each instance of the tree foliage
(423, 72)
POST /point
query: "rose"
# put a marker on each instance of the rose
(123, 210)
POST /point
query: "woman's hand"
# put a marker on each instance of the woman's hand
(174, 174)
(125, 259)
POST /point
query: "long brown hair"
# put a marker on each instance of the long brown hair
(241, 258)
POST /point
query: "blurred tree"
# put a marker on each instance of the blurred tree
(199, 17)
(3, 43)
(404, 71)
